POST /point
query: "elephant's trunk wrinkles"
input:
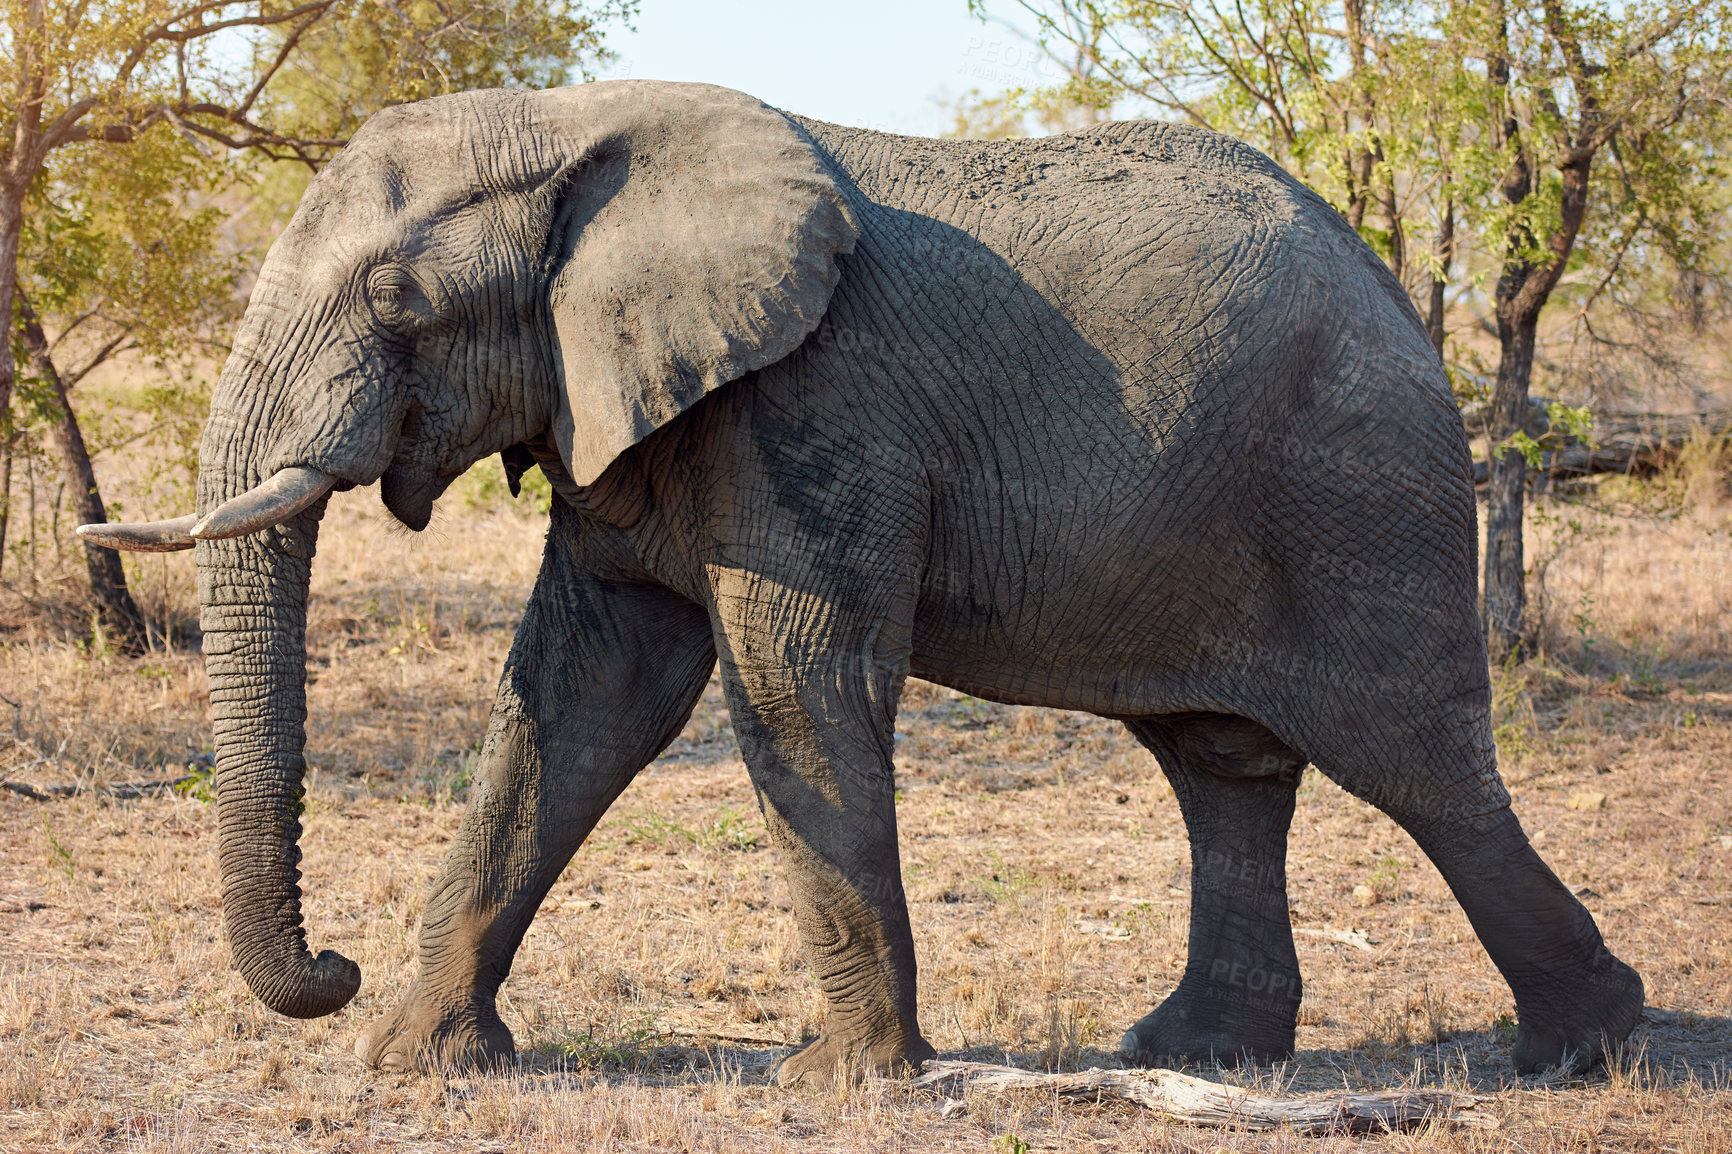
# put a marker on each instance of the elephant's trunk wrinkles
(253, 598)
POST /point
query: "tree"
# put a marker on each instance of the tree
(1568, 81)
(1444, 128)
(116, 248)
(189, 86)
(371, 53)
(80, 74)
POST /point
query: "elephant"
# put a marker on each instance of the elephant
(1124, 421)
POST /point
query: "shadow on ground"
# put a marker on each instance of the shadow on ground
(1667, 1047)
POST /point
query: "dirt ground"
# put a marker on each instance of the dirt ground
(1045, 860)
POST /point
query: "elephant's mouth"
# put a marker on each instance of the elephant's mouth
(409, 493)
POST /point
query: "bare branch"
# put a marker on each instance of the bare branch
(199, 31)
(254, 136)
(74, 323)
(187, 133)
(66, 129)
(123, 133)
(58, 132)
(118, 345)
(290, 43)
(1235, 70)
(1659, 32)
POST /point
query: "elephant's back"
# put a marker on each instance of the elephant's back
(1147, 237)
(1153, 156)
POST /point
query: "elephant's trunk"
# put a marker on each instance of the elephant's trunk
(253, 610)
(253, 598)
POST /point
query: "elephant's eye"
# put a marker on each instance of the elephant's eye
(397, 299)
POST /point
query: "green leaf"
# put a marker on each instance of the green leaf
(1529, 448)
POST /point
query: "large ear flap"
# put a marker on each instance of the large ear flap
(695, 242)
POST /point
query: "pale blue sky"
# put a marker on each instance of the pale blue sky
(874, 65)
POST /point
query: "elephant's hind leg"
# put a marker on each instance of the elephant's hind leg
(1239, 997)
(600, 679)
(1575, 1001)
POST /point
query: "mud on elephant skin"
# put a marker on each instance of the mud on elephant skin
(828, 408)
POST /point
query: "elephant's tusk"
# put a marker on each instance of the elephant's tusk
(271, 503)
(143, 536)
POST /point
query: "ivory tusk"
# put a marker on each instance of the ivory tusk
(271, 503)
(142, 536)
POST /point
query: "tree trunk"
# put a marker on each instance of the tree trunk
(1505, 593)
(1356, 157)
(1522, 291)
(7, 437)
(1397, 234)
(11, 229)
(1444, 254)
(115, 607)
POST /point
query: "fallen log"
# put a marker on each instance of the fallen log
(1200, 1102)
(1635, 443)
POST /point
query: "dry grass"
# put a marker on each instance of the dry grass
(405, 637)
(1046, 867)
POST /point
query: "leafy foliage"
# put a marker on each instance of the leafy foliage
(136, 189)
(371, 53)
(1415, 119)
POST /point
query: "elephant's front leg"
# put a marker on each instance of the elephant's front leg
(815, 714)
(600, 680)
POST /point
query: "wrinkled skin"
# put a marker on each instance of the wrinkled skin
(1123, 421)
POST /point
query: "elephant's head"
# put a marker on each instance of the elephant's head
(575, 267)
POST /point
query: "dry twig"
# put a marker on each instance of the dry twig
(1199, 1102)
(125, 790)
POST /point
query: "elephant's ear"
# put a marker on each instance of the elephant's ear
(695, 241)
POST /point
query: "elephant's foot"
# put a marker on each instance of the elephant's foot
(853, 1056)
(1206, 1022)
(1602, 1015)
(425, 1037)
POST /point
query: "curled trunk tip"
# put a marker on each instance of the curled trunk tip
(317, 986)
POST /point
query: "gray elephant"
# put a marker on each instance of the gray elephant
(1124, 421)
